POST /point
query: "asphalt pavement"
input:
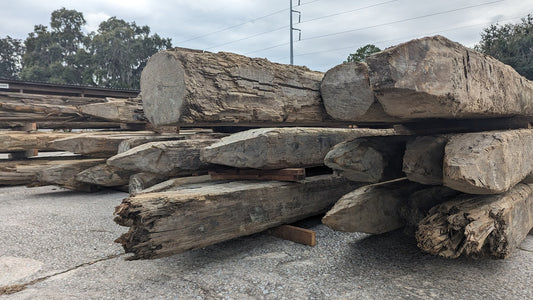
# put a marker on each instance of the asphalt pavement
(58, 244)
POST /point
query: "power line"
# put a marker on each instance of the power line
(401, 21)
(246, 38)
(241, 24)
(382, 24)
(349, 11)
(407, 37)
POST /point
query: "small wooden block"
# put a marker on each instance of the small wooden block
(288, 174)
(295, 234)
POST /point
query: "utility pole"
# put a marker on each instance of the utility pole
(291, 11)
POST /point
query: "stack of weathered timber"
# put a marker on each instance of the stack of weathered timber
(453, 91)
(466, 191)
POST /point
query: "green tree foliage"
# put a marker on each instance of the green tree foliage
(11, 51)
(120, 50)
(512, 44)
(362, 53)
(113, 56)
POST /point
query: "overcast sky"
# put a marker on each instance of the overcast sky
(330, 29)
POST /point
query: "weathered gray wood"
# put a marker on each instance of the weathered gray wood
(104, 175)
(97, 143)
(434, 77)
(116, 110)
(419, 204)
(175, 184)
(478, 225)
(368, 159)
(423, 159)
(12, 141)
(276, 148)
(186, 134)
(488, 162)
(371, 209)
(183, 86)
(64, 173)
(167, 223)
(167, 158)
(347, 95)
(140, 181)
(24, 172)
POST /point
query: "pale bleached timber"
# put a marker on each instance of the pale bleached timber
(277, 148)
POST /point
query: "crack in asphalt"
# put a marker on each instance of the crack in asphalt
(15, 288)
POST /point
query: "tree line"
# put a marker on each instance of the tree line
(116, 53)
(113, 56)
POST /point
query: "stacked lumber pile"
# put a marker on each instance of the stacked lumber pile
(466, 155)
(450, 168)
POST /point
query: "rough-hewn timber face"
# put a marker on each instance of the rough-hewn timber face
(488, 162)
(478, 225)
(434, 77)
(423, 159)
(276, 148)
(166, 223)
(183, 86)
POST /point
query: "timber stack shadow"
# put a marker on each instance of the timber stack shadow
(428, 136)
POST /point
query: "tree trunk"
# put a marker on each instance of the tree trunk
(368, 159)
(423, 159)
(373, 209)
(183, 86)
(167, 223)
(104, 175)
(434, 77)
(277, 148)
(169, 158)
(63, 173)
(11, 141)
(488, 162)
(347, 95)
(102, 144)
(478, 225)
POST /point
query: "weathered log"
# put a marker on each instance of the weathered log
(368, 159)
(175, 184)
(115, 110)
(64, 174)
(63, 124)
(347, 95)
(104, 175)
(12, 141)
(434, 77)
(478, 225)
(35, 99)
(423, 159)
(419, 204)
(185, 134)
(276, 148)
(167, 223)
(373, 209)
(140, 181)
(183, 86)
(24, 172)
(97, 143)
(488, 162)
(168, 158)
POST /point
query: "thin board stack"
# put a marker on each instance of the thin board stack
(437, 170)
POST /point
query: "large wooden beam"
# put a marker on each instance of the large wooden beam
(179, 183)
(368, 159)
(104, 175)
(183, 86)
(478, 225)
(371, 209)
(347, 95)
(11, 141)
(277, 148)
(97, 143)
(488, 162)
(63, 173)
(167, 158)
(423, 159)
(434, 77)
(162, 224)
